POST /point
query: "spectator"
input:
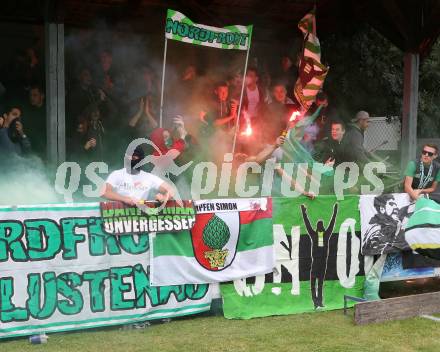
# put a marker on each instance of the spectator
(189, 76)
(13, 139)
(277, 112)
(143, 82)
(86, 97)
(329, 150)
(310, 137)
(143, 122)
(24, 70)
(168, 142)
(34, 118)
(79, 98)
(105, 75)
(131, 185)
(35, 70)
(150, 81)
(422, 175)
(170, 154)
(186, 87)
(323, 121)
(287, 73)
(90, 141)
(234, 82)
(81, 144)
(353, 141)
(254, 97)
(253, 107)
(221, 112)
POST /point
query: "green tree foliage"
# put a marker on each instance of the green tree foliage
(366, 73)
(429, 95)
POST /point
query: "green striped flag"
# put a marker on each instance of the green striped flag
(311, 71)
(181, 28)
(231, 239)
(423, 229)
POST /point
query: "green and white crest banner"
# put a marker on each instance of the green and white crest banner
(181, 28)
(231, 239)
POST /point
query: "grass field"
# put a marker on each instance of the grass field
(326, 331)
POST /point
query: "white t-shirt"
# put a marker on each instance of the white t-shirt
(141, 186)
(253, 100)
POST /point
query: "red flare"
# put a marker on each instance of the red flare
(294, 115)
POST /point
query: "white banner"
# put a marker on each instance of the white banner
(383, 220)
(229, 205)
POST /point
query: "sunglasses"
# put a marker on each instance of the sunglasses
(425, 152)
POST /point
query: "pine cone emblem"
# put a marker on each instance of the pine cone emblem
(216, 233)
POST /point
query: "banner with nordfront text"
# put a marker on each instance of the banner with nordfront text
(181, 28)
(60, 271)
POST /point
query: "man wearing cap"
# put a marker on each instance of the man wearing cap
(422, 175)
(132, 185)
(353, 141)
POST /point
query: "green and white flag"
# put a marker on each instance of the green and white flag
(423, 229)
(181, 28)
(231, 239)
(311, 71)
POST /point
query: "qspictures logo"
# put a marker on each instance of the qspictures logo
(208, 178)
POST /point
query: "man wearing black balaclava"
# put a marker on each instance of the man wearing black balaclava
(132, 185)
(320, 243)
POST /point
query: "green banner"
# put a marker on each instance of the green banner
(318, 261)
(60, 271)
(181, 28)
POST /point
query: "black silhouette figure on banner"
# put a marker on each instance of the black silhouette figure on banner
(386, 233)
(320, 244)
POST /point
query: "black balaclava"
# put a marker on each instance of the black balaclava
(139, 152)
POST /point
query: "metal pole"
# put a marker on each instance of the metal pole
(241, 97)
(163, 82)
(61, 93)
(55, 93)
(410, 105)
(51, 93)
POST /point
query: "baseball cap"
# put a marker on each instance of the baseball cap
(361, 115)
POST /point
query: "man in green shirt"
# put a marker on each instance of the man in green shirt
(422, 176)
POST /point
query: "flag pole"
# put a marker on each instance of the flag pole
(241, 95)
(163, 82)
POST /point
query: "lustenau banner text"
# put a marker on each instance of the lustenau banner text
(181, 28)
(318, 260)
(60, 271)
